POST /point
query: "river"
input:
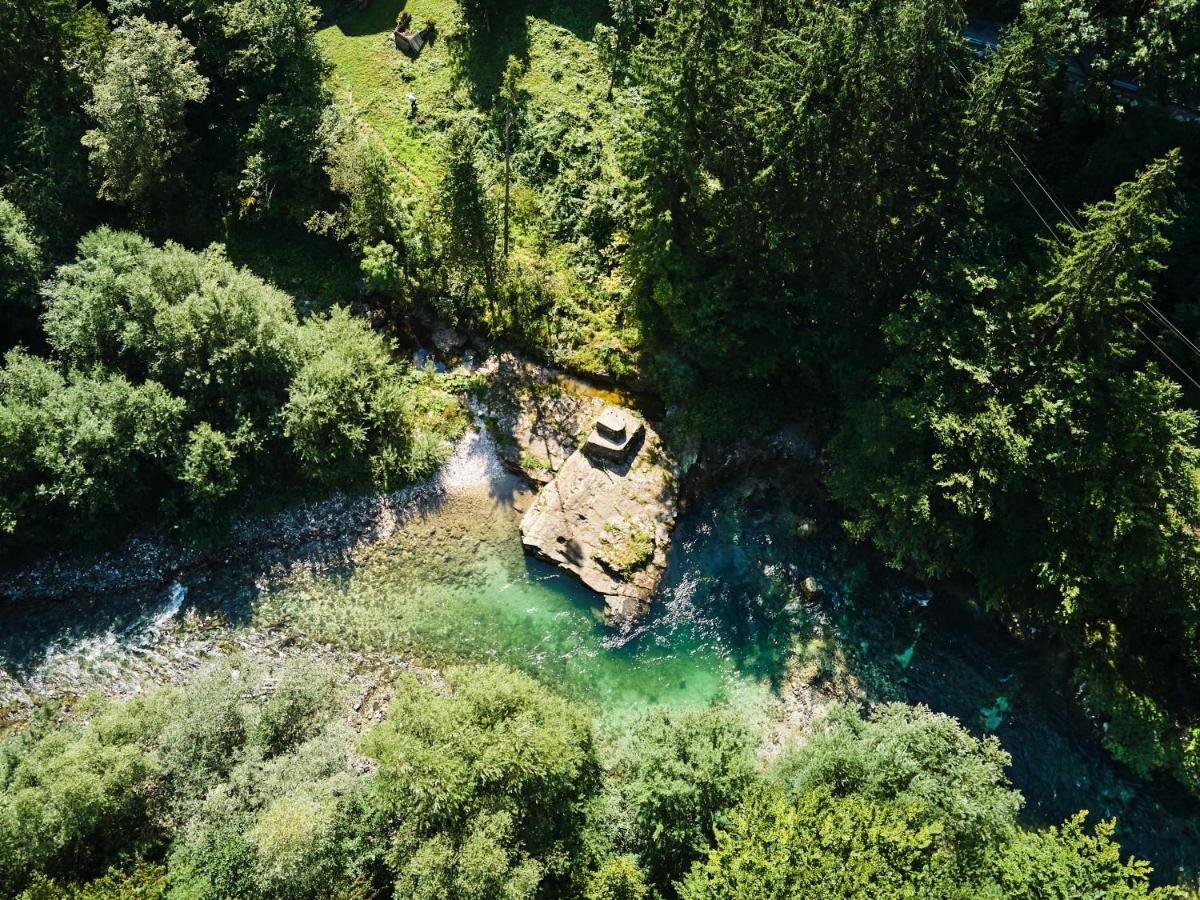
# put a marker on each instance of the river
(435, 575)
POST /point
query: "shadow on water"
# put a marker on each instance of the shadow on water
(898, 640)
(761, 583)
(101, 606)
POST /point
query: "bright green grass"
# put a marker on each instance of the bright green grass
(553, 37)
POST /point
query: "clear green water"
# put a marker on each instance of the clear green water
(453, 584)
(449, 583)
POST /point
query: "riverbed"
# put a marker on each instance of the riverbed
(765, 605)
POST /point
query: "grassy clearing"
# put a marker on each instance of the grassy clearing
(584, 329)
(373, 79)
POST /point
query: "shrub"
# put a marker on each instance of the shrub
(675, 778)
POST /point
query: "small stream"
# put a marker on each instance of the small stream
(435, 575)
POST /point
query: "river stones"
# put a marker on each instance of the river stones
(607, 518)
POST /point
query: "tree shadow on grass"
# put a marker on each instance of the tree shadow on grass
(378, 18)
(482, 54)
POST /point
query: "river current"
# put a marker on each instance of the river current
(765, 605)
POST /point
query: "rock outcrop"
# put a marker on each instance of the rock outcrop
(538, 422)
(608, 514)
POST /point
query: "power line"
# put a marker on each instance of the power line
(1163, 317)
(1037, 179)
(1165, 354)
(1070, 219)
(1037, 212)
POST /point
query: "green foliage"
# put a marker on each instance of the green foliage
(485, 864)
(675, 777)
(279, 92)
(213, 334)
(905, 803)
(1156, 45)
(466, 224)
(346, 405)
(246, 783)
(776, 148)
(480, 15)
(383, 269)
(617, 878)
(1064, 862)
(293, 712)
(45, 45)
(78, 447)
(624, 549)
(1001, 404)
(209, 472)
(71, 799)
(139, 96)
(361, 171)
(490, 780)
(21, 266)
(200, 746)
(817, 204)
(202, 384)
(144, 881)
(923, 761)
(827, 846)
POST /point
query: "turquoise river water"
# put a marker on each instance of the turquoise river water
(438, 576)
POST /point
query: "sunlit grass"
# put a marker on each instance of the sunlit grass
(554, 40)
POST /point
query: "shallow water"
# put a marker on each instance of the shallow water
(452, 583)
(437, 575)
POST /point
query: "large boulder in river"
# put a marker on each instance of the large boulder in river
(538, 418)
(607, 516)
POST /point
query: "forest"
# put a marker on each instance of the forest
(967, 266)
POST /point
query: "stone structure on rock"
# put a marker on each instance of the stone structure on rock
(538, 421)
(608, 514)
(616, 433)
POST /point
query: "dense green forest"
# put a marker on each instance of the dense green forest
(970, 269)
(485, 784)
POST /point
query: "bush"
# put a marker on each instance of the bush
(1068, 862)
(618, 878)
(676, 776)
(201, 744)
(918, 758)
(179, 382)
(20, 270)
(72, 799)
(345, 415)
(78, 448)
(489, 786)
(822, 845)
(498, 765)
(294, 712)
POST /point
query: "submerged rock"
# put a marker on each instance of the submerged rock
(607, 516)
